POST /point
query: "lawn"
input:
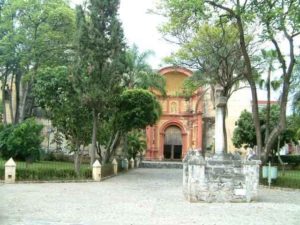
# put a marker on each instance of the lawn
(53, 170)
(288, 178)
(47, 170)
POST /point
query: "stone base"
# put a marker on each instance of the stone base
(161, 165)
(219, 180)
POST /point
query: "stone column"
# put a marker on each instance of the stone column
(96, 171)
(219, 129)
(10, 171)
(194, 176)
(115, 166)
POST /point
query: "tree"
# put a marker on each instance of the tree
(99, 65)
(54, 92)
(269, 57)
(244, 133)
(214, 52)
(34, 34)
(137, 109)
(136, 143)
(22, 141)
(139, 73)
(279, 21)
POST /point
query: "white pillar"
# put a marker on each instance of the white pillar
(96, 171)
(115, 166)
(131, 163)
(10, 171)
(125, 164)
(219, 132)
(137, 159)
(219, 129)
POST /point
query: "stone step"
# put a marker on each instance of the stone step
(161, 164)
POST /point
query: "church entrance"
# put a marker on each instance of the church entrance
(173, 143)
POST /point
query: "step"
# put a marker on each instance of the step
(161, 164)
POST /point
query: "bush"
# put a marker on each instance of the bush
(51, 174)
(21, 141)
(289, 159)
(56, 156)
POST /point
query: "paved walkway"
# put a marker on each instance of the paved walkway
(140, 197)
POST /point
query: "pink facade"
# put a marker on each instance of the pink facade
(180, 126)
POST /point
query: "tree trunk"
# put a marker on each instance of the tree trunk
(23, 101)
(17, 86)
(77, 155)
(111, 149)
(282, 119)
(94, 137)
(268, 106)
(10, 92)
(4, 81)
(285, 91)
(249, 76)
(224, 128)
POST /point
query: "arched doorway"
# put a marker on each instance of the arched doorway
(173, 143)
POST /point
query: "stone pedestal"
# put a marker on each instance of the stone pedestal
(115, 166)
(137, 162)
(131, 163)
(125, 164)
(10, 171)
(97, 171)
(219, 180)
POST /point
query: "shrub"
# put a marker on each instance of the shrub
(51, 174)
(21, 141)
(290, 159)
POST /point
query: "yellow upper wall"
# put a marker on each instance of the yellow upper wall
(174, 83)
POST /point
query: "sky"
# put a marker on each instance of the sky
(141, 28)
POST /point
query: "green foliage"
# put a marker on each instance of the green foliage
(99, 60)
(136, 143)
(139, 73)
(244, 133)
(54, 92)
(213, 51)
(293, 123)
(51, 174)
(34, 34)
(21, 141)
(100, 54)
(137, 109)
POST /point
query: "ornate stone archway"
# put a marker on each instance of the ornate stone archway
(165, 139)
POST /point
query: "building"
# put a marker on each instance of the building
(180, 125)
(189, 123)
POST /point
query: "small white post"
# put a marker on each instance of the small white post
(115, 166)
(96, 171)
(10, 171)
(137, 159)
(131, 163)
(125, 164)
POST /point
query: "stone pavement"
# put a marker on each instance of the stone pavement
(139, 197)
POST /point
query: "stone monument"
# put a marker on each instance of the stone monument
(222, 178)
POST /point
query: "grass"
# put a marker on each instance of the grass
(53, 170)
(288, 178)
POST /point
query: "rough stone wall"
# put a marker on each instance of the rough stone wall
(216, 180)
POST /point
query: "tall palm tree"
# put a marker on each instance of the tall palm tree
(269, 57)
(140, 74)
